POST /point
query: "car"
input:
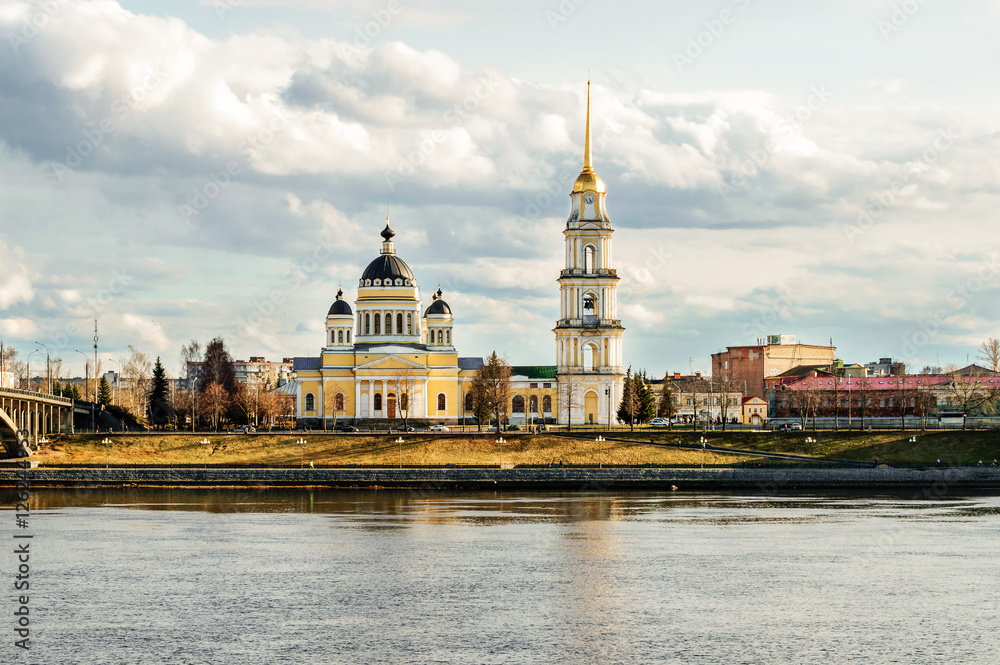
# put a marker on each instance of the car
(513, 428)
(659, 422)
(248, 429)
(438, 428)
(348, 428)
(796, 426)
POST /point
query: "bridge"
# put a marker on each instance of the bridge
(26, 417)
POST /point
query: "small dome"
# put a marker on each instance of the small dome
(340, 306)
(588, 180)
(387, 233)
(439, 306)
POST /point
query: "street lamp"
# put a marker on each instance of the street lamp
(501, 442)
(28, 370)
(86, 375)
(399, 442)
(607, 391)
(704, 444)
(1, 361)
(48, 367)
(913, 440)
(302, 444)
(107, 447)
(810, 441)
(600, 442)
(205, 442)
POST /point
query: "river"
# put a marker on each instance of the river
(298, 576)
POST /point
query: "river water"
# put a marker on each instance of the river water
(297, 576)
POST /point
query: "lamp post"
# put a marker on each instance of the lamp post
(810, 441)
(27, 377)
(107, 447)
(913, 440)
(704, 443)
(399, 442)
(600, 442)
(48, 367)
(86, 375)
(607, 391)
(205, 442)
(302, 444)
(501, 442)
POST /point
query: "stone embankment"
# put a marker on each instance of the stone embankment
(936, 480)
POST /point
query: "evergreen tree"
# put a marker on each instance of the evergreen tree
(647, 400)
(73, 392)
(104, 392)
(159, 398)
(628, 410)
(57, 388)
(665, 405)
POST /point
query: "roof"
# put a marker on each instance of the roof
(340, 306)
(470, 363)
(802, 370)
(306, 363)
(289, 388)
(534, 371)
(752, 398)
(439, 306)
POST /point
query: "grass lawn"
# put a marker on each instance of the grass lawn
(418, 448)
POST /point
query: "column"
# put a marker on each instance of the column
(427, 399)
(371, 397)
(357, 398)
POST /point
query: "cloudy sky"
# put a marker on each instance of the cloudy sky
(195, 169)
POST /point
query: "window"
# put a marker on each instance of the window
(348, 336)
(338, 403)
(378, 396)
(447, 336)
(378, 324)
(442, 402)
(388, 323)
(533, 404)
(368, 324)
(468, 402)
(399, 323)
(517, 404)
(340, 337)
(440, 337)
(409, 324)
(547, 404)
(333, 338)
(546, 385)
(534, 385)
(404, 402)
(588, 258)
(310, 402)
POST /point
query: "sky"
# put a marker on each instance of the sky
(197, 169)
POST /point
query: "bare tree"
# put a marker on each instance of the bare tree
(727, 385)
(989, 353)
(406, 382)
(215, 401)
(568, 394)
(495, 386)
(971, 392)
(269, 406)
(138, 369)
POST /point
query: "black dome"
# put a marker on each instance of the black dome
(387, 266)
(340, 305)
(439, 306)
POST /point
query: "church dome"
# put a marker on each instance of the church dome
(439, 306)
(340, 306)
(387, 268)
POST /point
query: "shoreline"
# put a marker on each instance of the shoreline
(933, 481)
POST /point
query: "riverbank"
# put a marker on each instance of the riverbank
(931, 482)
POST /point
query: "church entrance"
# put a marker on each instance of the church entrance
(590, 407)
(390, 406)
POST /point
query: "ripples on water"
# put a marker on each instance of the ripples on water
(271, 576)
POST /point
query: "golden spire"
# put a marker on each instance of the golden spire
(588, 179)
(586, 144)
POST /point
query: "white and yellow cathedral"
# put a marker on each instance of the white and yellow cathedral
(388, 356)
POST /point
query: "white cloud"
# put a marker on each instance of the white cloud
(15, 282)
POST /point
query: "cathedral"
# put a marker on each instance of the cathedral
(388, 358)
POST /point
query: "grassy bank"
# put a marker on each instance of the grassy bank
(951, 446)
(359, 449)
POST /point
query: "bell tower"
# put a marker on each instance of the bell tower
(588, 332)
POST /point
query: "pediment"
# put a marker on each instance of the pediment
(391, 362)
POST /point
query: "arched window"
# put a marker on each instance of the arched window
(368, 324)
(447, 336)
(399, 323)
(310, 402)
(339, 402)
(517, 404)
(533, 404)
(378, 398)
(409, 323)
(468, 402)
(547, 404)
(340, 337)
(589, 259)
(440, 337)
(378, 324)
(348, 336)
(388, 323)
(442, 402)
(333, 337)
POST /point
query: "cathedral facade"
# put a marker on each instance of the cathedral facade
(388, 357)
